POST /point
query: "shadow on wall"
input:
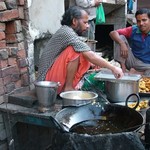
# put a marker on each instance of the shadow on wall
(39, 45)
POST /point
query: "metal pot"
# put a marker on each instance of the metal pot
(78, 98)
(46, 92)
(118, 91)
(108, 116)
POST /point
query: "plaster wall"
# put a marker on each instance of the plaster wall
(44, 16)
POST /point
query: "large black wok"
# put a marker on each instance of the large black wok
(99, 119)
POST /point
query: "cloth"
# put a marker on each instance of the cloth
(58, 72)
(118, 141)
(63, 38)
(131, 61)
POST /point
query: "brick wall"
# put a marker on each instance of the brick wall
(13, 51)
(14, 76)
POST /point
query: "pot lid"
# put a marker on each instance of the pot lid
(107, 75)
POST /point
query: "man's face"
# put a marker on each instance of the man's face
(143, 22)
(82, 24)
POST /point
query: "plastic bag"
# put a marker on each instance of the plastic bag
(100, 15)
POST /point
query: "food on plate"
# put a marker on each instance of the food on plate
(144, 85)
(142, 104)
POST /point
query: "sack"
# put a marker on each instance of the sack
(100, 15)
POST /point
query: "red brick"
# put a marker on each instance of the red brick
(2, 26)
(10, 87)
(12, 61)
(23, 70)
(2, 6)
(2, 44)
(13, 27)
(25, 79)
(18, 84)
(9, 71)
(2, 35)
(1, 82)
(7, 79)
(21, 2)
(2, 91)
(3, 64)
(9, 15)
(21, 54)
(21, 12)
(11, 38)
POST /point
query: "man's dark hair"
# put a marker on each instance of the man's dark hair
(70, 14)
(143, 11)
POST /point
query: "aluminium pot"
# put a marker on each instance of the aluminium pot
(118, 91)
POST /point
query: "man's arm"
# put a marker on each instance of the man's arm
(116, 37)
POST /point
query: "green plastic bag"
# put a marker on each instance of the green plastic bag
(100, 15)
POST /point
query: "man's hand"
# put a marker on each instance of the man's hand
(124, 50)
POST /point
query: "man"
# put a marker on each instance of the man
(66, 58)
(135, 56)
(90, 6)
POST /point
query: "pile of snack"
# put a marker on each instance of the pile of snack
(143, 104)
(144, 85)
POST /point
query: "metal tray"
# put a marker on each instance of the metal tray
(106, 75)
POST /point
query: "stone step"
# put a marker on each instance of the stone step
(26, 99)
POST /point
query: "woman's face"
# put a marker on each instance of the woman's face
(82, 25)
(143, 22)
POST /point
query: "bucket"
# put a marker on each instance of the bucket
(46, 92)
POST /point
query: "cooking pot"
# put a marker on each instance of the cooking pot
(109, 118)
(46, 92)
(78, 98)
(117, 90)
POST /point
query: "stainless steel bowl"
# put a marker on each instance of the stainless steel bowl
(78, 98)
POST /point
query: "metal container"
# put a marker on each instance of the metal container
(46, 92)
(117, 90)
(92, 44)
(78, 98)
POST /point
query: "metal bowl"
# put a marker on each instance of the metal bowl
(78, 98)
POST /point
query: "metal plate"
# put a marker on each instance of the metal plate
(106, 75)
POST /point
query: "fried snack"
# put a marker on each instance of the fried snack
(143, 104)
(144, 85)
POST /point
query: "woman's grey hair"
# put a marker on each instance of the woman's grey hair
(70, 14)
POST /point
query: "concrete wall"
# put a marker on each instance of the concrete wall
(45, 16)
